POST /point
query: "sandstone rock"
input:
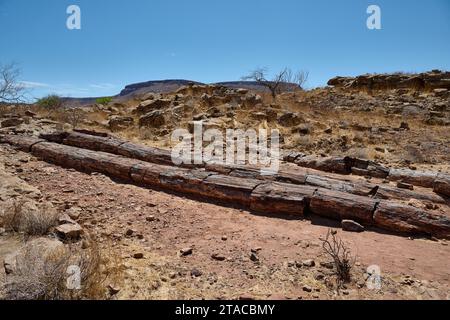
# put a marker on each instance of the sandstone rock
(152, 105)
(12, 122)
(153, 119)
(351, 226)
(35, 251)
(118, 123)
(290, 119)
(69, 231)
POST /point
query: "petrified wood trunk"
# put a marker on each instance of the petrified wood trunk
(300, 175)
(269, 197)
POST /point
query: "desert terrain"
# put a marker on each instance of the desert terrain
(373, 149)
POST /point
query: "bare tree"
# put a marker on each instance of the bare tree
(11, 90)
(283, 81)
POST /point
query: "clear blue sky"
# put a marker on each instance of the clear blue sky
(123, 42)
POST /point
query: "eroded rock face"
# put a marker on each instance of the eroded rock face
(430, 80)
(154, 119)
(152, 105)
(290, 119)
(12, 122)
(118, 123)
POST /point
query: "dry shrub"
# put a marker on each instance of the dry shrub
(46, 276)
(341, 255)
(30, 218)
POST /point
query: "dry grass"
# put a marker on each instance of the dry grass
(40, 276)
(28, 218)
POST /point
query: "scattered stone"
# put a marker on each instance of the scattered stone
(74, 213)
(352, 226)
(150, 218)
(218, 257)
(404, 126)
(307, 288)
(224, 238)
(113, 290)
(2, 231)
(309, 263)
(196, 273)
(138, 255)
(69, 231)
(254, 257)
(186, 252)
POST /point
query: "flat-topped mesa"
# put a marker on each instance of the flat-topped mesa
(435, 79)
(265, 196)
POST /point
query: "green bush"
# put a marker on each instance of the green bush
(104, 100)
(50, 102)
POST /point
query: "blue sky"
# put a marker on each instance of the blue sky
(123, 42)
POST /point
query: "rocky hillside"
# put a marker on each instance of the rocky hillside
(435, 79)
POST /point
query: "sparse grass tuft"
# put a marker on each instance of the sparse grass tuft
(28, 218)
(341, 255)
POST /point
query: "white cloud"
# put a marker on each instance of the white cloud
(32, 84)
(102, 86)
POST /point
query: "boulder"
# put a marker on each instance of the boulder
(12, 122)
(154, 119)
(290, 119)
(152, 105)
(69, 231)
(40, 248)
(118, 123)
(351, 226)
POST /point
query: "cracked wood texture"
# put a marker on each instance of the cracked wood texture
(233, 187)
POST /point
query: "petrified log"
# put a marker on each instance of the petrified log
(299, 175)
(282, 198)
(349, 165)
(343, 206)
(266, 196)
(22, 143)
(442, 184)
(416, 178)
(329, 164)
(401, 218)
